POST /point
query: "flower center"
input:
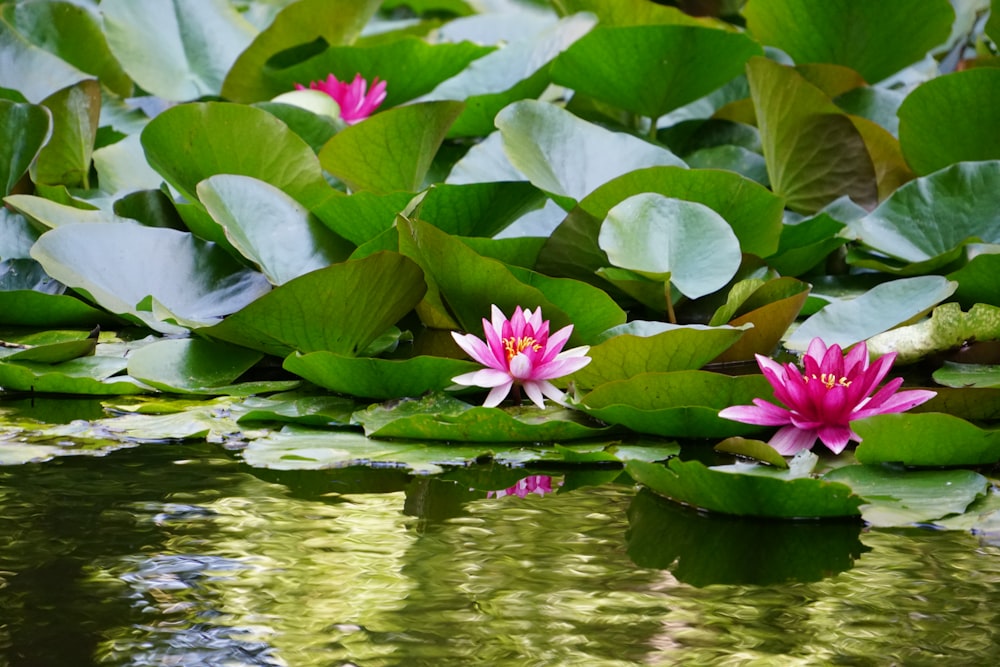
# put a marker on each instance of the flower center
(830, 380)
(514, 346)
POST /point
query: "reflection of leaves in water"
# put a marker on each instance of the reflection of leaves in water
(705, 549)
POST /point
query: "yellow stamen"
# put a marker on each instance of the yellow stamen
(514, 346)
(830, 380)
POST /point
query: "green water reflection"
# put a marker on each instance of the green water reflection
(180, 555)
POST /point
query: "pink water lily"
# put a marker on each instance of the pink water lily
(540, 484)
(822, 400)
(519, 352)
(356, 102)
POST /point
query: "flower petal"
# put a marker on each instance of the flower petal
(836, 436)
(790, 440)
(497, 395)
(486, 377)
(761, 413)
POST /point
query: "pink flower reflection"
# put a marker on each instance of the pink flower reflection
(540, 484)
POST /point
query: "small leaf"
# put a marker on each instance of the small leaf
(929, 439)
(752, 449)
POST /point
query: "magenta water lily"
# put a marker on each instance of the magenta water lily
(520, 353)
(821, 401)
(356, 101)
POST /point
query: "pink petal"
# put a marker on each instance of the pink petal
(816, 350)
(900, 402)
(497, 395)
(521, 367)
(552, 392)
(761, 413)
(556, 342)
(499, 319)
(533, 391)
(790, 440)
(486, 377)
(836, 437)
(856, 360)
(478, 350)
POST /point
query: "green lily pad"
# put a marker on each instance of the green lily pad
(977, 280)
(804, 245)
(928, 439)
(32, 71)
(676, 404)
(297, 408)
(684, 242)
(899, 498)
(686, 62)
(307, 22)
(24, 129)
(190, 142)
(176, 50)
(476, 209)
(49, 347)
(192, 366)
(65, 158)
(941, 122)
(377, 378)
(875, 38)
(566, 155)
(744, 494)
(37, 309)
(770, 308)
(270, 228)
(936, 214)
(95, 376)
(443, 417)
(813, 151)
(968, 375)
(883, 307)
(391, 150)
(757, 450)
(947, 328)
(341, 308)
(362, 216)
(120, 266)
(629, 350)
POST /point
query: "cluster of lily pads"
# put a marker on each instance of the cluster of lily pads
(686, 191)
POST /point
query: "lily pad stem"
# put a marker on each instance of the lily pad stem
(670, 304)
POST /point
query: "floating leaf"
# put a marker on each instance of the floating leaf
(898, 498)
(120, 266)
(929, 439)
(804, 245)
(770, 309)
(297, 408)
(875, 38)
(391, 150)
(936, 214)
(192, 366)
(270, 228)
(744, 494)
(476, 209)
(813, 151)
(568, 156)
(362, 216)
(190, 142)
(377, 378)
(31, 71)
(977, 280)
(947, 328)
(968, 375)
(676, 404)
(941, 122)
(752, 449)
(667, 239)
(442, 417)
(65, 159)
(630, 351)
(176, 49)
(95, 376)
(24, 129)
(341, 308)
(881, 308)
(686, 62)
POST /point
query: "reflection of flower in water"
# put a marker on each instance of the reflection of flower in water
(540, 484)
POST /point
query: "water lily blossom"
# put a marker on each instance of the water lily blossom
(540, 484)
(355, 100)
(519, 352)
(823, 399)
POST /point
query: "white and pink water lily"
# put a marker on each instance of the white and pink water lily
(519, 353)
(355, 100)
(822, 400)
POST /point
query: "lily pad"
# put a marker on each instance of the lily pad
(947, 328)
(377, 378)
(297, 408)
(442, 417)
(883, 307)
(899, 498)
(679, 241)
(968, 375)
(65, 158)
(392, 150)
(929, 439)
(676, 404)
(341, 308)
(176, 49)
(95, 376)
(567, 156)
(120, 266)
(692, 483)
(875, 38)
(629, 350)
(24, 129)
(270, 228)
(32, 71)
(686, 62)
(813, 151)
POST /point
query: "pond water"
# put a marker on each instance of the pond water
(183, 555)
